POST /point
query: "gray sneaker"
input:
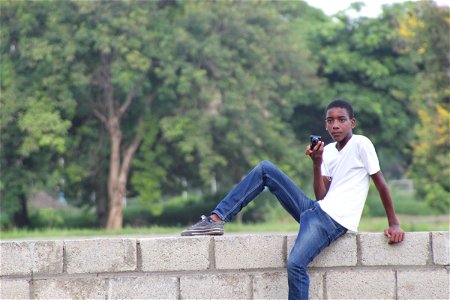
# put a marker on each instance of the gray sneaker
(206, 226)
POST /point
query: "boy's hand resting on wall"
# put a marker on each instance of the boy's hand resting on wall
(395, 234)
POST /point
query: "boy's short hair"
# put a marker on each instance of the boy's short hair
(341, 104)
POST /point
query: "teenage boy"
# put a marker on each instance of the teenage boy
(342, 172)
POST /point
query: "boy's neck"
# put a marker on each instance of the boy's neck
(340, 145)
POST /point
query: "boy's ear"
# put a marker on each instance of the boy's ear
(353, 122)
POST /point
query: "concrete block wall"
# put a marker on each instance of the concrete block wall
(233, 266)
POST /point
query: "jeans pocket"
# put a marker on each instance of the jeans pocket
(337, 229)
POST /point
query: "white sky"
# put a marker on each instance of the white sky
(371, 9)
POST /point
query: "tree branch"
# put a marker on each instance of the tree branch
(99, 115)
(130, 151)
(131, 96)
(152, 96)
(106, 85)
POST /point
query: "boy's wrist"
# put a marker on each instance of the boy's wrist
(317, 164)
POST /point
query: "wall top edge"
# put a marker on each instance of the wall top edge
(138, 238)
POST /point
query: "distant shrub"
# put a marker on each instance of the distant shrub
(177, 211)
(181, 211)
(404, 203)
(62, 218)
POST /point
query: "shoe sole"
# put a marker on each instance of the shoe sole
(202, 232)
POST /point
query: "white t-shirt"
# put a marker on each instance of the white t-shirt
(350, 171)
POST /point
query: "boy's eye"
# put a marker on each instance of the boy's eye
(342, 120)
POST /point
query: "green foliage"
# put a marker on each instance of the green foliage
(213, 87)
(182, 211)
(405, 204)
(237, 71)
(437, 197)
(149, 172)
(423, 32)
(46, 131)
(48, 217)
(174, 212)
(36, 103)
(359, 60)
(73, 218)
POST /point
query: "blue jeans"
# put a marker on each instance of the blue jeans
(317, 229)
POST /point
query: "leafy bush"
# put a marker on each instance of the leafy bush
(180, 211)
(177, 211)
(437, 197)
(62, 218)
(404, 203)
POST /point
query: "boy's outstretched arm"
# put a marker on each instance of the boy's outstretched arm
(394, 232)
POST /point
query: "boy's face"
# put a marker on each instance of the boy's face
(339, 124)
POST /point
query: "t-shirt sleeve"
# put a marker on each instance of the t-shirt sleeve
(369, 156)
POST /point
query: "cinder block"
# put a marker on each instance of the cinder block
(441, 244)
(375, 250)
(14, 289)
(249, 251)
(274, 285)
(146, 287)
(316, 284)
(48, 257)
(100, 255)
(355, 284)
(86, 288)
(175, 254)
(16, 258)
(39, 257)
(341, 252)
(218, 286)
(423, 284)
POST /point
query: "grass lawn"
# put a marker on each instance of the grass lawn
(373, 224)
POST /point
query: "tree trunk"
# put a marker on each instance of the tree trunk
(118, 174)
(110, 112)
(21, 216)
(102, 207)
(115, 191)
(115, 216)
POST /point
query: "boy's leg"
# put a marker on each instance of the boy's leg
(264, 174)
(317, 231)
(291, 197)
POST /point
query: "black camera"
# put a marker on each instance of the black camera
(314, 140)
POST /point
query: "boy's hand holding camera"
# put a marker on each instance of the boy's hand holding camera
(315, 149)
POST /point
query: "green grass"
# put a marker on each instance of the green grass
(71, 233)
(370, 224)
(408, 223)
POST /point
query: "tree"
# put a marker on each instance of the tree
(423, 33)
(212, 82)
(237, 71)
(36, 106)
(99, 54)
(361, 63)
(122, 55)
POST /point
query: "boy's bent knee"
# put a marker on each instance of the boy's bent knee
(266, 164)
(296, 264)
